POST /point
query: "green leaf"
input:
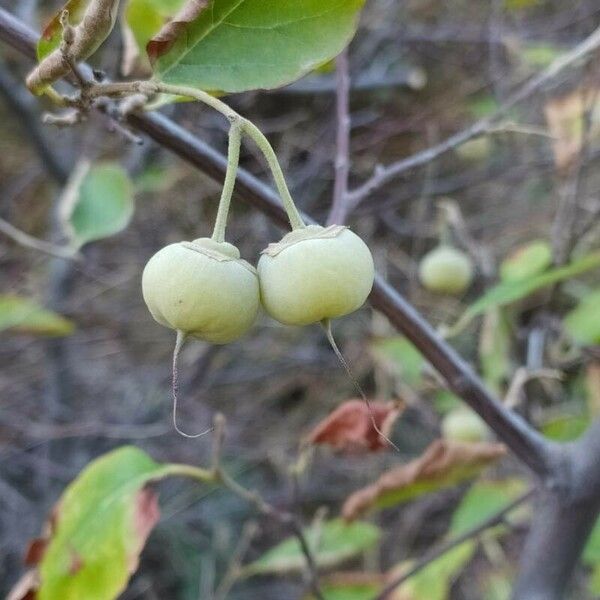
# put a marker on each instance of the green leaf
(238, 45)
(435, 580)
(145, 18)
(508, 292)
(332, 543)
(565, 428)
(525, 262)
(26, 316)
(52, 34)
(539, 55)
(494, 349)
(99, 528)
(583, 322)
(403, 356)
(348, 591)
(98, 202)
(591, 552)
(483, 500)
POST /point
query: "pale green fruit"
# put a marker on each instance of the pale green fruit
(464, 425)
(315, 273)
(203, 289)
(446, 270)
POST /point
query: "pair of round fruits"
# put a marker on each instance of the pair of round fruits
(205, 290)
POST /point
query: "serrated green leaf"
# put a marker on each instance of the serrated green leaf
(100, 202)
(238, 45)
(332, 543)
(508, 292)
(99, 527)
(583, 322)
(483, 500)
(525, 262)
(26, 316)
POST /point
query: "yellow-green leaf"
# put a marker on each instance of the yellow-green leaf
(98, 202)
(237, 45)
(26, 316)
(332, 543)
(99, 528)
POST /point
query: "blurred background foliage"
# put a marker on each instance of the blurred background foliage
(85, 369)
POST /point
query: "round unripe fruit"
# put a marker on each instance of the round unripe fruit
(315, 273)
(464, 425)
(446, 270)
(203, 289)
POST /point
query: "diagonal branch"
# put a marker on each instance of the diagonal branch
(530, 447)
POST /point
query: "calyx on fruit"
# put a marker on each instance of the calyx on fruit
(446, 270)
(315, 273)
(203, 289)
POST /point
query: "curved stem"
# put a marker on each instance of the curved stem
(265, 147)
(233, 159)
(181, 335)
(152, 87)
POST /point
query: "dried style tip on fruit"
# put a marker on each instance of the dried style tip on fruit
(464, 425)
(314, 274)
(446, 270)
(95, 26)
(203, 289)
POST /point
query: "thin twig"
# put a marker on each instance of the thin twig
(386, 174)
(28, 241)
(339, 206)
(435, 553)
(252, 497)
(234, 568)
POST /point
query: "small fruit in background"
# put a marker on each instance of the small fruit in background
(475, 150)
(315, 274)
(202, 289)
(464, 425)
(446, 270)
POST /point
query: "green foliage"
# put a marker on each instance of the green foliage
(52, 34)
(483, 500)
(146, 17)
(527, 261)
(404, 356)
(565, 428)
(236, 45)
(434, 581)
(26, 316)
(100, 202)
(583, 322)
(494, 349)
(99, 528)
(332, 542)
(349, 591)
(508, 292)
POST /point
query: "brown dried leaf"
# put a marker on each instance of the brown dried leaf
(444, 463)
(162, 42)
(146, 516)
(565, 118)
(349, 428)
